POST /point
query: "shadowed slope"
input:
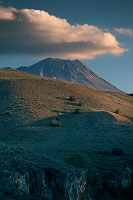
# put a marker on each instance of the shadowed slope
(39, 144)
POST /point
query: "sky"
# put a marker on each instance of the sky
(98, 32)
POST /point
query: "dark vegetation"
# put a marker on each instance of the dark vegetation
(117, 111)
(72, 98)
(9, 113)
(77, 111)
(55, 123)
(81, 160)
(131, 94)
(10, 193)
(118, 152)
(80, 103)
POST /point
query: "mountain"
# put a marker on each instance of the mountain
(68, 70)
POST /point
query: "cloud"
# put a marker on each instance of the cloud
(36, 32)
(7, 14)
(124, 31)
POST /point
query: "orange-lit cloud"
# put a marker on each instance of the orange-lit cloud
(7, 13)
(36, 32)
(124, 31)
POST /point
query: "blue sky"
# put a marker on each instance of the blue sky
(103, 15)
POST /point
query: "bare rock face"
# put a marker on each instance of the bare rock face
(15, 180)
(52, 184)
(28, 183)
(68, 184)
(125, 178)
(38, 186)
(48, 184)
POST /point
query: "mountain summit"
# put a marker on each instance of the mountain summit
(68, 70)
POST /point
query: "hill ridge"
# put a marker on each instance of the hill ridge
(33, 97)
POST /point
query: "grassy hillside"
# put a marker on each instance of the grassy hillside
(29, 97)
(28, 104)
(15, 74)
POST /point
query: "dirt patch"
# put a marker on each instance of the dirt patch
(120, 118)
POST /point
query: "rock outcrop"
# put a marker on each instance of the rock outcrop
(47, 184)
(52, 184)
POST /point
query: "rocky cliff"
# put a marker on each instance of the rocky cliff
(52, 184)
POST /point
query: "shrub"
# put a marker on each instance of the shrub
(80, 103)
(57, 118)
(72, 98)
(81, 160)
(5, 190)
(9, 113)
(55, 123)
(117, 111)
(77, 111)
(131, 94)
(118, 151)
